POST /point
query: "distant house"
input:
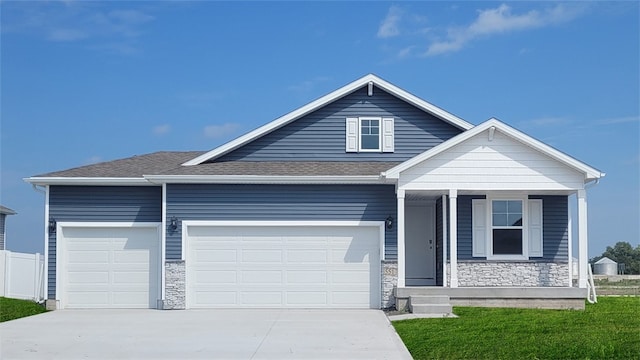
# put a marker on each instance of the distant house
(368, 197)
(4, 212)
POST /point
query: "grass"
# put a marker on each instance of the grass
(609, 329)
(11, 309)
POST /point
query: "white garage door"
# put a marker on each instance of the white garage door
(109, 267)
(283, 266)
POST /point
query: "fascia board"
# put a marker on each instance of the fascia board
(86, 181)
(314, 105)
(590, 172)
(256, 179)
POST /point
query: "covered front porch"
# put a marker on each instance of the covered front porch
(484, 219)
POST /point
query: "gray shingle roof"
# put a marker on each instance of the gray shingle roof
(286, 168)
(169, 163)
(5, 210)
(136, 166)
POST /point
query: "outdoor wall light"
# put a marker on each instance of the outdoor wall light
(52, 225)
(389, 222)
(173, 224)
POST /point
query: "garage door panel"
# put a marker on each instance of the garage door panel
(88, 277)
(214, 277)
(313, 277)
(261, 298)
(283, 266)
(109, 267)
(217, 256)
(261, 277)
(307, 256)
(261, 255)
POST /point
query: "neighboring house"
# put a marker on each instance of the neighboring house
(361, 199)
(4, 212)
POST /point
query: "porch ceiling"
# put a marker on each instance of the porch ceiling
(434, 194)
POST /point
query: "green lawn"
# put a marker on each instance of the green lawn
(609, 329)
(11, 309)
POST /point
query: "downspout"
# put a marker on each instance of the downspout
(35, 188)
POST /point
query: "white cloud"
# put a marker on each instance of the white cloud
(501, 20)
(389, 26)
(548, 121)
(308, 85)
(220, 131)
(67, 35)
(618, 120)
(161, 129)
(89, 23)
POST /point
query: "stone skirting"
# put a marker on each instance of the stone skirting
(511, 273)
(174, 285)
(389, 282)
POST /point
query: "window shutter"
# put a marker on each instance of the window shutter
(479, 220)
(352, 135)
(387, 135)
(535, 228)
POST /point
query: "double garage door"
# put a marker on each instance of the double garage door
(239, 265)
(305, 266)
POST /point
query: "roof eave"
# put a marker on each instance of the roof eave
(261, 179)
(96, 181)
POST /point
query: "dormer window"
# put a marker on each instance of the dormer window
(369, 134)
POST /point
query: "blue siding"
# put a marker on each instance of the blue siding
(320, 135)
(3, 218)
(554, 223)
(100, 204)
(279, 202)
(465, 227)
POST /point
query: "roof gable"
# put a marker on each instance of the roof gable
(490, 127)
(323, 101)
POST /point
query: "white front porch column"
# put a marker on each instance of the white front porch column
(444, 240)
(453, 236)
(401, 253)
(582, 239)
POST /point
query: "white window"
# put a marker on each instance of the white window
(369, 134)
(507, 228)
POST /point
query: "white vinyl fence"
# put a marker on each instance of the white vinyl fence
(21, 275)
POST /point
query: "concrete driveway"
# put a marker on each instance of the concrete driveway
(211, 334)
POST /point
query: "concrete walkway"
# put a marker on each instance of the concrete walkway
(191, 334)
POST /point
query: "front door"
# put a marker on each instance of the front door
(420, 244)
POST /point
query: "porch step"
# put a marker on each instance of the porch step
(430, 304)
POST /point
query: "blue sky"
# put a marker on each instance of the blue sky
(84, 82)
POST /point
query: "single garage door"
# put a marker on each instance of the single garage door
(283, 266)
(109, 267)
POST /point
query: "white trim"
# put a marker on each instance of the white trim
(453, 236)
(260, 179)
(303, 223)
(60, 248)
(444, 240)
(570, 242)
(314, 105)
(583, 259)
(401, 238)
(87, 181)
(46, 243)
(525, 225)
(163, 244)
(590, 173)
(370, 118)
